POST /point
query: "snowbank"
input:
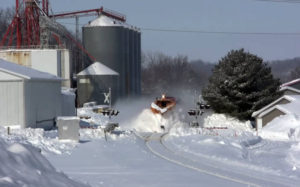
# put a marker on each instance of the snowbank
(216, 125)
(221, 120)
(23, 165)
(46, 141)
(285, 127)
(95, 119)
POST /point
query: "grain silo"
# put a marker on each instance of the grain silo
(94, 81)
(117, 45)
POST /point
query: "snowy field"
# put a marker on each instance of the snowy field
(225, 152)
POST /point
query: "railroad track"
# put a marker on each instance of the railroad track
(155, 143)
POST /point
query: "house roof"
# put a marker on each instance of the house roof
(98, 69)
(292, 107)
(290, 83)
(25, 72)
(289, 88)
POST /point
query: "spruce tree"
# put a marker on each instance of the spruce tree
(240, 84)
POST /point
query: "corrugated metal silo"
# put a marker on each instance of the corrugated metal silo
(139, 65)
(115, 44)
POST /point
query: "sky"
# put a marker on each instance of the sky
(202, 15)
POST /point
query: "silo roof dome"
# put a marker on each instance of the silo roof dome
(98, 69)
(103, 21)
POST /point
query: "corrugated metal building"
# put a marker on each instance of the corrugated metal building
(28, 98)
(53, 61)
(94, 81)
(118, 46)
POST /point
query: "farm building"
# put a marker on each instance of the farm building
(54, 61)
(287, 104)
(94, 81)
(28, 98)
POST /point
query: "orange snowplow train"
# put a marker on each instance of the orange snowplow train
(163, 105)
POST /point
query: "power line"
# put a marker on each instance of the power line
(209, 32)
(280, 1)
(221, 32)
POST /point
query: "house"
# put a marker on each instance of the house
(287, 104)
(288, 90)
(294, 84)
(28, 97)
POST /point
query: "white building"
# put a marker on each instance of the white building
(287, 104)
(28, 98)
(53, 61)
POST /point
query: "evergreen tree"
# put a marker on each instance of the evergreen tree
(240, 84)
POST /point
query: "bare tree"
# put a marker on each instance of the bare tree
(162, 73)
(295, 74)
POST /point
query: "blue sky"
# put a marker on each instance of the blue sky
(208, 15)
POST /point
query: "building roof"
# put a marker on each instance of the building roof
(98, 69)
(290, 83)
(105, 21)
(289, 88)
(25, 72)
(292, 107)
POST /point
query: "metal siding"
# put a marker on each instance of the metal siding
(18, 57)
(290, 92)
(270, 116)
(66, 68)
(54, 61)
(139, 64)
(43, 102)
(93, 89)
(59, 64)
(45, 60)
(115, 47)
(6, 76)
(131, 61)
(11, 94)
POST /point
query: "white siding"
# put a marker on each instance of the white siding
(12, 103)
(45, 60)
(6, 76)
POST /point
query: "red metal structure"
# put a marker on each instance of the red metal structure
(25, 23)
(25, 28)
(99, 11)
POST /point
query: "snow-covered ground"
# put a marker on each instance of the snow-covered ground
(125, 160)
(24, 165)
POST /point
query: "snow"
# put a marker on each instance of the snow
(221, 120)
(98, 68)
(121, 158)
(105, 21)
(25, 72)
(23, 165)
(285, 127)
(68, 91)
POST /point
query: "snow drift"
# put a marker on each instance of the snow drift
(23, 165)
(285, 127)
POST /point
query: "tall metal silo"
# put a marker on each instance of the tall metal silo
(139, 65)
(113, 43)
